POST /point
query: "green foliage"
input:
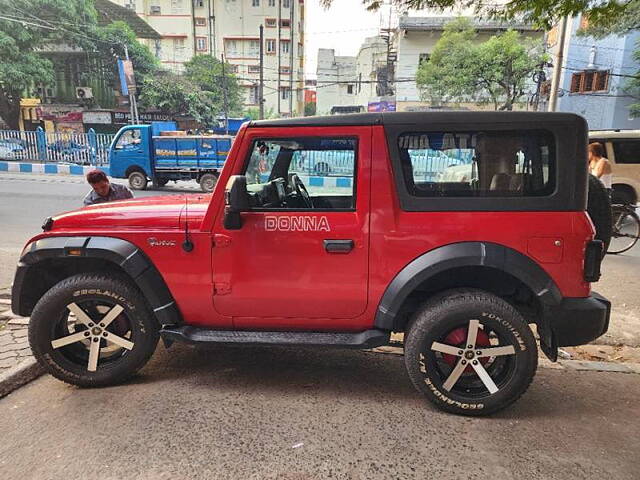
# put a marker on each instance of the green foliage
(460, 69)
(205, 71)
(177, 95)
(254, 113)
(309, 109)
(110, 43)
(30, 25)
(544, 13)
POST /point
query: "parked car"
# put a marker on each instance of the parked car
(623, 151)
(463, 267)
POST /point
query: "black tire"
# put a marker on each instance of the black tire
(208, 182)
(138, 180)
(626, 230)
(622, 197)
(429, 370)
(599, 209)
(96, 295)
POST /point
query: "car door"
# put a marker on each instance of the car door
(291, 265)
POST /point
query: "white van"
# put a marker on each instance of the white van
(623, 151)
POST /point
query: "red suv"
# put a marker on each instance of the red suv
(459, 229)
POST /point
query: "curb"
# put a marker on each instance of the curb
(579, 365)
(19, 375)
(49, 168)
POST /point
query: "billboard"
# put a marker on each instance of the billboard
(127, 79)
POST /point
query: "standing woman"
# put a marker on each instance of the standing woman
(599, 166)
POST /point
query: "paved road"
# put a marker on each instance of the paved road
(294, 414)
(25, 200)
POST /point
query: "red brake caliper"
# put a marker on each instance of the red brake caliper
(458, 337)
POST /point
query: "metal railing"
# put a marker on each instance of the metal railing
(65, 148)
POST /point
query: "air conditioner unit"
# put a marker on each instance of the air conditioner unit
(83, 93)
(154, 10)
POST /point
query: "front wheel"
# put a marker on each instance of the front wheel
(138, 180)
(626, 229)
(92, 330)
(470, 352)
(208, 182)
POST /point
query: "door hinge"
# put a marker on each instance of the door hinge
(221, 288)
(220, 240)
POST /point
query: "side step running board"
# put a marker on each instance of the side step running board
(366, 339)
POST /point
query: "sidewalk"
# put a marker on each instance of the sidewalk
(48, 168)
(17, 365)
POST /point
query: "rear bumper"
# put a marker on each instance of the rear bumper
(576, 321)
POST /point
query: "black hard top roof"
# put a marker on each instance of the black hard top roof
(407, 118)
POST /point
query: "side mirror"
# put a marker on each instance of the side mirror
(236, 199)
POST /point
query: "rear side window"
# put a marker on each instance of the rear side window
(478, 164)
(627, 151)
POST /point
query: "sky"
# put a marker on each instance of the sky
(343, 27)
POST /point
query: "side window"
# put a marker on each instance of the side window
(302, 173)
(627, 151)
(478, 164)
(129, 139)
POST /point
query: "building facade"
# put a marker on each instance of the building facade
(230, 29)
(350, 83)
(594, 75)
(416, 39)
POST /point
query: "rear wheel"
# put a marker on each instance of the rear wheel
(208, 182)
(470, 352)
(626, 229)
(92, 330)
(138, 180)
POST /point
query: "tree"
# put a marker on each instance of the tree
(544, 13)
(310, 109)
(175, 94)
(254, 113)
(27, 26)
(462, 69)
(205, 71)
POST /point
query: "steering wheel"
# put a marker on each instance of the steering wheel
(301, 190)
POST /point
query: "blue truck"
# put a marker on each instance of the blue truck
(141, 154)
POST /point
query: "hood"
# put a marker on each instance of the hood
(160, 212)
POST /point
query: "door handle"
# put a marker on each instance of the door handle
(338, 246)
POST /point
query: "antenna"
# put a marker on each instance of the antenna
(187, 245)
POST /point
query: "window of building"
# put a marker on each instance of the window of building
(255, 3)
(270, 45)
(285, 23)
(590, 81)
(304, 157)
(350, 89)
(154, 10)
(254, 69)
(178, 43)
(130, 4)
(201, 44)
(271, 22)
(234, 68)
(423, 57)
(284, 46)
(284, 93)
(231, 48)
(286, 3)
(627, 151)
(272, 3)
(201, 22)
(199, 3)
(478, 164)
(176, 6)
(254, 48)
(285, 70)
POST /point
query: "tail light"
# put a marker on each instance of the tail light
(592, 259)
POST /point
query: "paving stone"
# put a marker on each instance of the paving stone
(20, 333)
(598, 366)
(5, 301)
(10, 347)
(7, 363)
(24, 352)
(9, 354)
(5, 338)
(19, 321)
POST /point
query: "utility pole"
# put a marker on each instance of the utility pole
(291, 43)
(261, 86)
(224, 98)
(211, 29)
(557, 67)
(279, 47)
